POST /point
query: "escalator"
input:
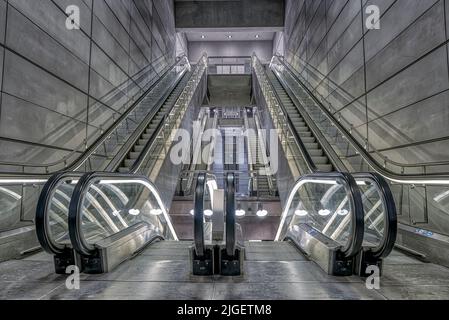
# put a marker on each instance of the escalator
(98, 219)
(308, 138)
(155, 124)
(258, 160)
(374, 203)
(212, 254)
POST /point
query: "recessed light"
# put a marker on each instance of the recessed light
(324, 212)
(262, 213)
(133, 212)
(257, 36)
(229, 37)
(203, 36)
(208, 213)
(192, 212)
(240, 213)
(155, 212)
(301, 213)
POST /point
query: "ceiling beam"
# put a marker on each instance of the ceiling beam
(203, 15)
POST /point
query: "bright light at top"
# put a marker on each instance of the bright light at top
(262, 213)
(324, 212)
(203, 36)
(301, 213)
(208, 213)
(240, 213)
(156, 212)
(192, 212)
(134, 212)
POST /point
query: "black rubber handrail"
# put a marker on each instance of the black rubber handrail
(198, 221)
(390, 222)
(358, 217)
(77, 239)
(354, 245)
(42, 220)
(230, 215)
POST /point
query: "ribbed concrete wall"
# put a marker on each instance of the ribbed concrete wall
(390, 84)
(59, 87)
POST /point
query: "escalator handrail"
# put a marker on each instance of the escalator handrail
(390, 222)
(42, 212)
(130, 143)
(302, 148)
(433, 178)
(325, 145)
(76, 164)
(230, 215)
(357, 226)
(77, 239)
(198, 216)
(147, 148)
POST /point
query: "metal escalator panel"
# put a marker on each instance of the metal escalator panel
(112, 216)
(380, 214)
(330, 205)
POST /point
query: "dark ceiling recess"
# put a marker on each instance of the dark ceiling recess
(229, 14)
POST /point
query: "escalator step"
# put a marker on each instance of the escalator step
(123, 170)
(316, 153)
(129, 163)
(308, 139)
(324, 167)
(305, 134)
(133, 155)
(142, 142)
(302, 129)
(138, 148)
(320, 160)
(311, 146)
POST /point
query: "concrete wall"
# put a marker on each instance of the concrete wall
(390, 84)
(181, 44)
(60, 86)
(263, 49)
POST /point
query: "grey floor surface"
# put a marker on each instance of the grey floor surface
(272, 271)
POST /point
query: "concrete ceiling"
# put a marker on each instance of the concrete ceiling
(236, 36)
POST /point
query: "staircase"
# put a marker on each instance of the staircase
(316, 152)
(261, 187)
(153, 125)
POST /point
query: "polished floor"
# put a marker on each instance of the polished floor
(272, 271)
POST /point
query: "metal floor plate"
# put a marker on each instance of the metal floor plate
(272, 271)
